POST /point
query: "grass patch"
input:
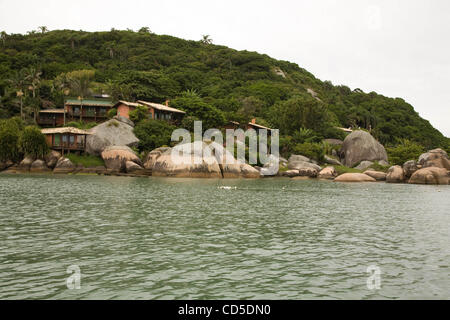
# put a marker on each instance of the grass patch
(343, 169)
(85, 160)
(378, 167)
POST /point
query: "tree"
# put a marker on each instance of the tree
(153, 134)
(144, 30)
(9, 139)
(32, 142)
(195, 106)
(138, 114)
(206, 39)
(80, 83)
(19, 81)
(43, 29)
(3, 36)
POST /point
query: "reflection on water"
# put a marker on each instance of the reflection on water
(150, 238)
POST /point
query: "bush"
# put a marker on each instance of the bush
(406, 150)
(81, 124)
(311, 150)
(139, 114)
(153, 134)
(111, 113)
(32, 142)
(9, 139)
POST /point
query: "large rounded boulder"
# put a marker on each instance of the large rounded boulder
(64, 165)
(430, 175)
(434, 158)
(115, 132)
(361, 146)
(151, 157)
(52, 158)
(39, 166)
(354, 177)
(395, 174)
(200, 160)
(116, 157)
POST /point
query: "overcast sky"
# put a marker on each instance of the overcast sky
(396, 48)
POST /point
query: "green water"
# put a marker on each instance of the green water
(150, 238)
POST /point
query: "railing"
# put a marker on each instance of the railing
(69, 146)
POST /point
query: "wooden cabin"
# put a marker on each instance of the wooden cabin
(66, 139)
(156, 111)
(51, 117)
(87, 110)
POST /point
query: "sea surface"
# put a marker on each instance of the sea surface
(168, 238)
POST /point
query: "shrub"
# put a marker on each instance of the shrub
(311, 150)
(139, 114)
(9, 139)
(153, 134)
(111, 113)
(343, 169)
(406, 150)
(32, 142)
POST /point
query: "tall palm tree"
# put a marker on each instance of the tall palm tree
(206, 39)
(3, 36)
(80, 83)
(18, 82)
(43, 29)
(33, 76)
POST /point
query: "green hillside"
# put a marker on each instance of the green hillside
(210, 81)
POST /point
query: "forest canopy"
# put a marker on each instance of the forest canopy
(211, 82)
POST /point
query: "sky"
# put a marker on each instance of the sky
(398, 48)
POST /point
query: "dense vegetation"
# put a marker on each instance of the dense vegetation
(18, 140)
(211, 82)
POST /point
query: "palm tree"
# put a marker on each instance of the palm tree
(3, 36)
(18, 82)
(206, 39)
(43, 29)
(33, 76)
(80, 83)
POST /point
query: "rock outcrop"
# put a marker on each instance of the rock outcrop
(377, 175)
(395, 174)
(359, 146)
(115, 132)
(300, 164)
(364, 165)
(290, 173)
(201, 160)
(52, 158)
(25, 164)
(354, 177)
(151, 157)
(133, 167)
(332, 160)
(430, 175)
(409, 167)
(327, 173)
(39, 166)
(116, 157)
(434, 158)
(64, 165)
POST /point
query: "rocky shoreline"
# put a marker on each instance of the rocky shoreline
(360, 152)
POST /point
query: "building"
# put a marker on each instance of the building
(51, 117)
(156, 111)
(86, 110)
(66, 139)
(251, 125)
